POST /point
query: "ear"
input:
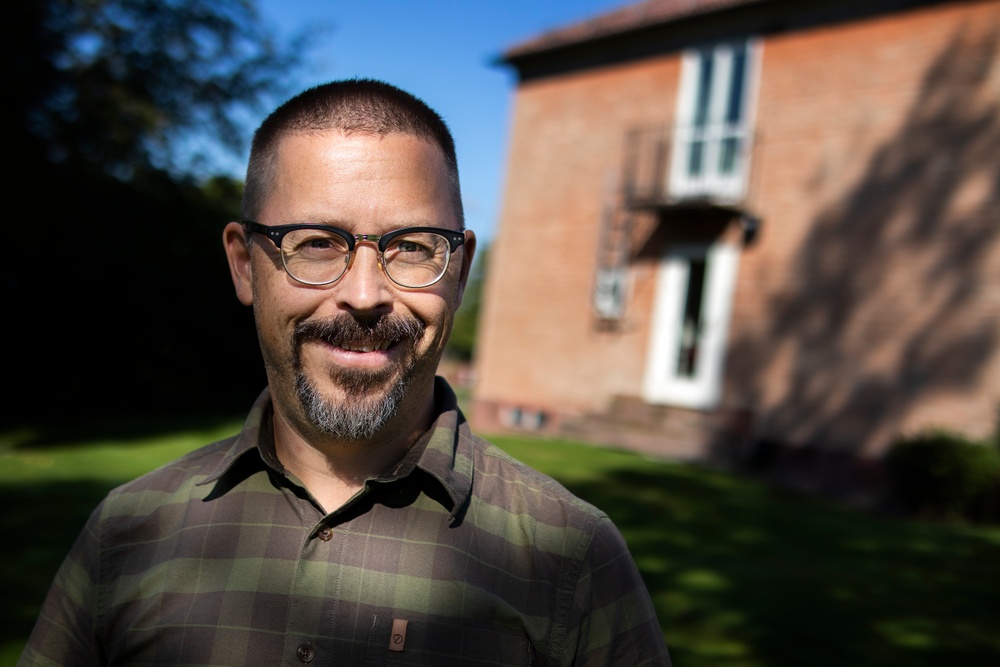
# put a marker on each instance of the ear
(469, 253)
(238, 254)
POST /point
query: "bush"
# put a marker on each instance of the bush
(946, 475)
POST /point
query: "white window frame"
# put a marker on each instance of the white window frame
(711, 182)
(609, 293)
(703, 390)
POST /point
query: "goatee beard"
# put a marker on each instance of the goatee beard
(371, 397)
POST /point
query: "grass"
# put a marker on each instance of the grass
(741, 575)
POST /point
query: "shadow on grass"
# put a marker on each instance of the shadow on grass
(743, 575)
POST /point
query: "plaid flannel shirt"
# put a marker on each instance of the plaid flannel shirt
(458, 555)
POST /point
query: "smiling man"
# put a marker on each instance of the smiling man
(355, 519)
(351, 338)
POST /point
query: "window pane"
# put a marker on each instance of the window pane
(734, 107)
(706, 67)
(687, 357)
(727, 156)
(695, 157)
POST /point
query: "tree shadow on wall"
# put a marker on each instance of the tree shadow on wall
(885, 301)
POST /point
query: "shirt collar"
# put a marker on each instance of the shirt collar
(443, 452)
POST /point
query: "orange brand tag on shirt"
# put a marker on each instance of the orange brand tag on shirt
(398, 636)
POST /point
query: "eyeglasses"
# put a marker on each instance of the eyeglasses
(413, 257)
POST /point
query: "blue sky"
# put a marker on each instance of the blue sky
(443, 51)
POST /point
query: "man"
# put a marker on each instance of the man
(355, 519)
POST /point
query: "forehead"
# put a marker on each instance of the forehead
(389, 181)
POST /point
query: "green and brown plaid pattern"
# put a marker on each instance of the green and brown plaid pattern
(458, 556)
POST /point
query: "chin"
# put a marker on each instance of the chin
(359, 411)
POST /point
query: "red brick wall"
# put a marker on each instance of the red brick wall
(869, 304)
(538, 343)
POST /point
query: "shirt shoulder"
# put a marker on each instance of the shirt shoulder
(526, 508)
(601, 612)
(116, 546)
(181, 475)
(158, 506)
(502, 479)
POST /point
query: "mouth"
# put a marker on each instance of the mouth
(370, 346)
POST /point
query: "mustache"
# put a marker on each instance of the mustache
(345, 328)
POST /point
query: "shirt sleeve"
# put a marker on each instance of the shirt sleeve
(64, 633)
(615, 622)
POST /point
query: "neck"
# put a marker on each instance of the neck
(333, 470)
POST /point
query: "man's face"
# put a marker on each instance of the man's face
(348, 358)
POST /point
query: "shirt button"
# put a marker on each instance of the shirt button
(325, 534)
(305, 652)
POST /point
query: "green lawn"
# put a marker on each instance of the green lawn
(741, 575)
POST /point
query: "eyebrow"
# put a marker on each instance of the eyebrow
(341, 224)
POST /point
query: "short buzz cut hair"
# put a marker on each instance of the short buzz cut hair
(364, 106)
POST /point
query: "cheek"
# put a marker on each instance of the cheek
(275, 316)
(275, 300)
(275, 344)
(432, 307)
(438, 316)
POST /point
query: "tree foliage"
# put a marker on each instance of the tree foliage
(116, 83)
(462, 343)
(120, 297)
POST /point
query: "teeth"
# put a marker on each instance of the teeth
(365, 347)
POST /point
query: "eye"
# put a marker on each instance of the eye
(407, 245)
(412, 248)
(318, 243)
(314, 244)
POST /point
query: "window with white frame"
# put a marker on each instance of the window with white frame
(712, 137)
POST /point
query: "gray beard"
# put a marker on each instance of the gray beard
(357, 417)
(371, 398)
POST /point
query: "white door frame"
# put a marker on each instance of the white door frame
(663, 384)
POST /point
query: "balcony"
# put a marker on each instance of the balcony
(706, 165)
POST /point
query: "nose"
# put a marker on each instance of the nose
(364, 287)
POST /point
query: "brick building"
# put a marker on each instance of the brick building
(730, 222)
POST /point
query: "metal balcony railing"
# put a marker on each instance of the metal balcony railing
(708, 164)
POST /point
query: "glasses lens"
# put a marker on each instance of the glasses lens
(314, 256)
(418, 259)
